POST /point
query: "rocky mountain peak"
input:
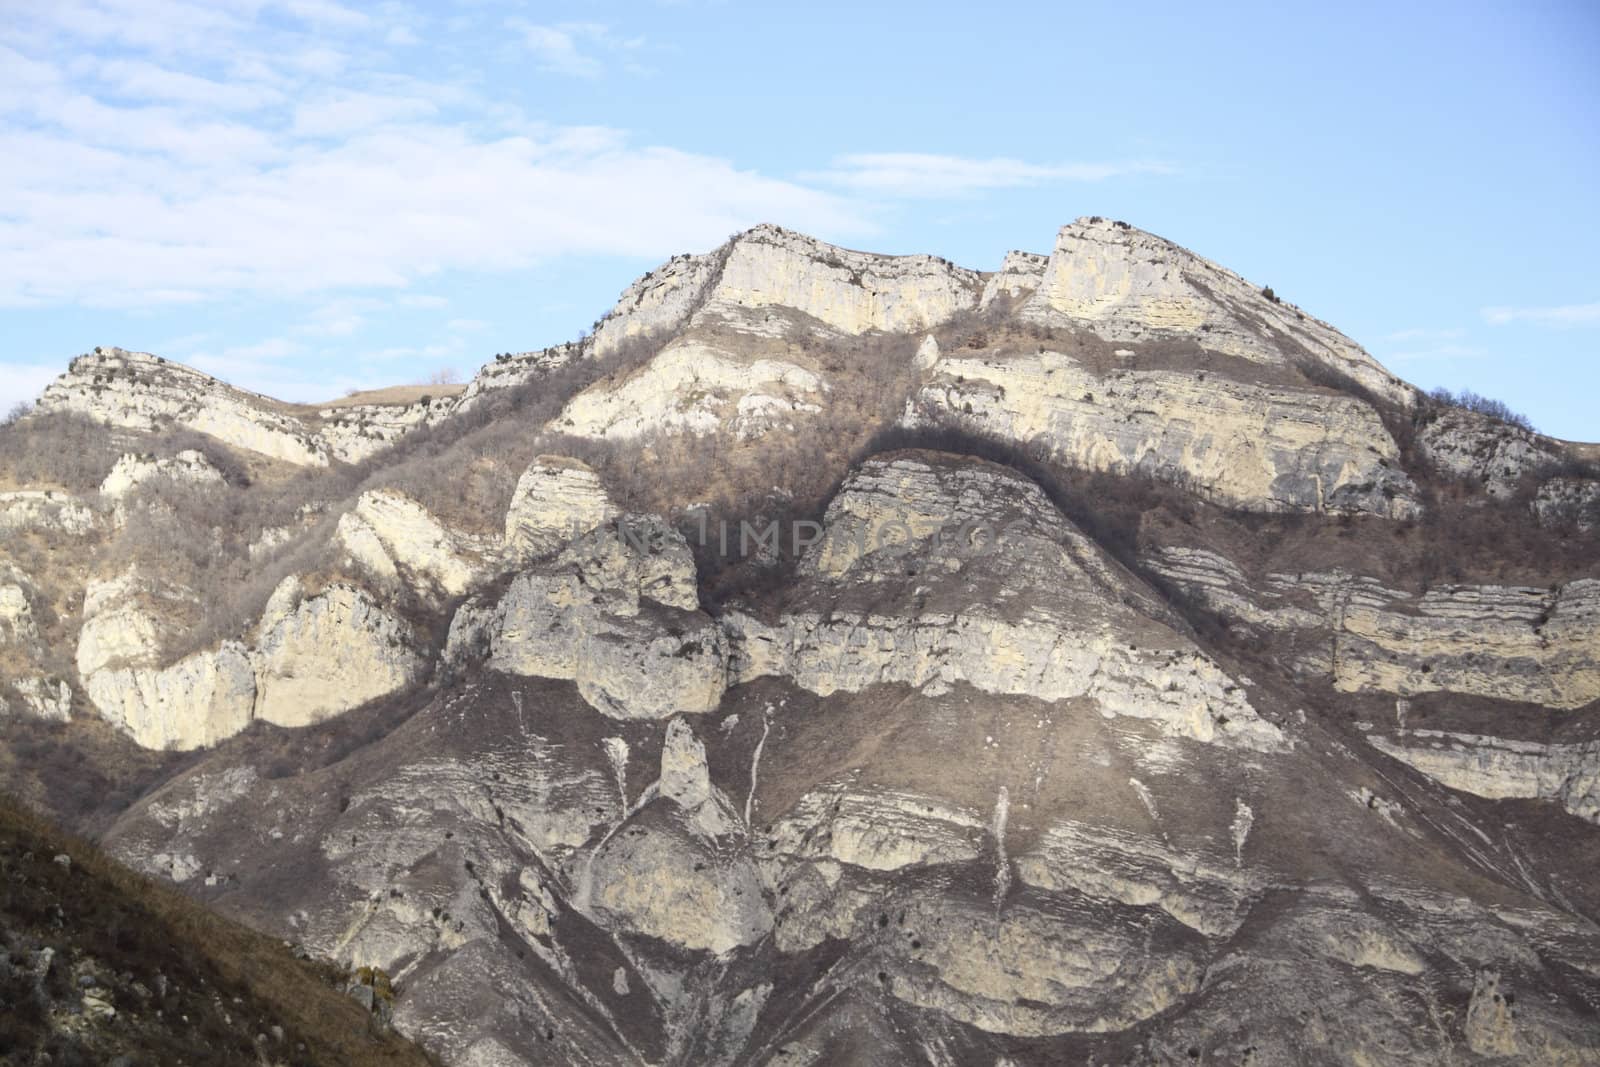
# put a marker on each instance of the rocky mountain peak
(845, 658)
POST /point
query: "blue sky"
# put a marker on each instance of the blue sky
(305, 196)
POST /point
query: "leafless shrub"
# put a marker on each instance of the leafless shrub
(57, 448)
(1467, 400)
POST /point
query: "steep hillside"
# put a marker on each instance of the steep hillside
(101, 966)
(836, 658)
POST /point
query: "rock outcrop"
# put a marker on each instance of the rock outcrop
(332, 652)
(1498, 767)
(1485, 451)
(852, 292)
(933, 572)
(352, 433)
(618, 613)
(139, 391)
(1018, 278)
(556, 501)
(310, 658)
(396, 542)
(693, 388)
(678, 869)
(143, 392)
(47, 511)
(1537, 645)
(1124, 284)
(17, 624)
(194, 703)
(1250, 446)
(133, 471)
(1204, 773)
(48, 699)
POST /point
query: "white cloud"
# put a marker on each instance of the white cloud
(466, 325)
(926, 176)
(557, 49)
(221, 154)
(326, 13)
(1560, 315)
(341, 113)
(138, 79)
(21, 383)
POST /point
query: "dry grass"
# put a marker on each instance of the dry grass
(226, 983)
(393, 395)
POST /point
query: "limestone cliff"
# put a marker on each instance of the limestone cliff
(1139, 673)
(1005, 796)
(1243, 444)
(1131, 286)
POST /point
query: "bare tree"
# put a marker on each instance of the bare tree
(444, 376)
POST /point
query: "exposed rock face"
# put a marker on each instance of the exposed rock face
(119, 626)
(139, 391)
(334, 651)
(193, 703)
(1007, 841)
(678, 869)
(356, 432)
(557, 500)
(1515, 643)
(44, 510)
(954, 786)
(694, 388)
(394, 540)
(40, 698)
(1568, 500)
(660, 301)
(1498, 767)
(617, 612)
(311, 659)
(1127, 285)
(1484, 450)
(1541, 646)
(1253, 447)
(133, 471)
(1018, 277)
(17, 624)
(999, 593)
(510, 369)
(852, 292)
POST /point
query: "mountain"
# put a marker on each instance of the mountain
(835, 658)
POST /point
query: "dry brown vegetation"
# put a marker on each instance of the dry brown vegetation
(465, 469)
(188, 985)
(57, 449)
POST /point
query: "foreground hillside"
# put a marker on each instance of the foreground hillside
(100, 966)
(848, 659)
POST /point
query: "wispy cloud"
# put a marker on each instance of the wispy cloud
(927, 176)
(23, 382)
(261, 148)
(571, 48)
(1559, 315)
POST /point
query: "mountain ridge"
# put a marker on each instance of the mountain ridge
(1106, 660)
